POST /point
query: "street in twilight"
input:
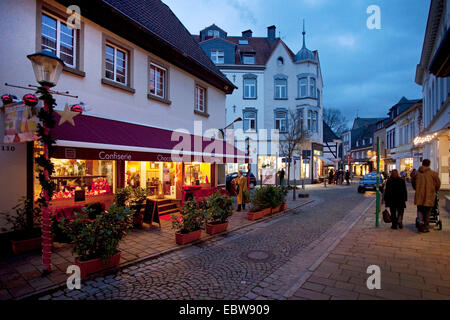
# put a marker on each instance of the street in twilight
(152, 150)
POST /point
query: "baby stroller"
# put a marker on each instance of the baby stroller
(434, 215)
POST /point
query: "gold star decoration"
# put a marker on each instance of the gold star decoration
(67, 115)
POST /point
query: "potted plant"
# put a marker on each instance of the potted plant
(261, 204)
(137, 204)
(96, 241)
(188, 225)
(122, 196)
(26, 234)
(219, 209)
(278, 197)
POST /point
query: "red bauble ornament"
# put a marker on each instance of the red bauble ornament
(30, 100)
(76, 108)
(7, 99)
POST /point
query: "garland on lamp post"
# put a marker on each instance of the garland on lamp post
(46, 167)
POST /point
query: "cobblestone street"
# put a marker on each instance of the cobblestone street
(257, 262)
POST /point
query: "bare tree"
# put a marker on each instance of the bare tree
(335, 120)
(293, 138)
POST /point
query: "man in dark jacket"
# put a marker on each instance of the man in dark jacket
(395, 197)
(426, 182)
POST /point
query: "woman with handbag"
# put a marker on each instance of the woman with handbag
(395, 197)
(241, 183)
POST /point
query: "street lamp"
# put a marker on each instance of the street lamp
(223, 130)
(47, 68)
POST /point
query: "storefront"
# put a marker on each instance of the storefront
(317, 162)
(361, 168)
(101, 162)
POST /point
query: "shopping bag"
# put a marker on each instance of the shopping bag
(387, 216)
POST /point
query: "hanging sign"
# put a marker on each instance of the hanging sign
(20, 123)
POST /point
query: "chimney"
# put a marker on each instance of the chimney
(271, 33)
(247, 33)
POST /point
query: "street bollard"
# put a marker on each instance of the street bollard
(303, 184)
(325, 182)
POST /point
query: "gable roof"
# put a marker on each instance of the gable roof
(151, 25)
(328, 133)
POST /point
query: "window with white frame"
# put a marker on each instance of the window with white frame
(281, 121)
(213, 33)
(303, 87)
(59, 38)
(280, 89)
(301, 118)
(217, 56)
(158, 80)
(248, 58)
(315, 123)
(200, 98)
(249, 88)
(309, 120)
(312, 84)
(116, 60)
(249, 120)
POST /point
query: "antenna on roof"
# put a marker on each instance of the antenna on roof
(304, 33)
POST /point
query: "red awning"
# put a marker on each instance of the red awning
(104, 139)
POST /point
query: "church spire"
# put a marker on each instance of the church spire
(304, 33)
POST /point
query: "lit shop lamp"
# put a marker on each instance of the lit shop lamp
(47, 68)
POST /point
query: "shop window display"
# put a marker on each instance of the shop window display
(197, 174)
(96, 177)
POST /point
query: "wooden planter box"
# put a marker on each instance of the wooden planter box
(183, 238)
(216, 228)
(303, 195)
(276, 209)
(96, 265)
(258, 214)
(21, 246)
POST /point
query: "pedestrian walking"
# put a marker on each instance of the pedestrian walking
(330, 176)
(241, 183)
(426, 182)
(281, 174)
(341, 177)
(347, 177)
(395, 197)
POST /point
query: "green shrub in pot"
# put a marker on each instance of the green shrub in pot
(191, 219)
(219, 208)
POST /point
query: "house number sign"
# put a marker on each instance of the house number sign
(8, 148)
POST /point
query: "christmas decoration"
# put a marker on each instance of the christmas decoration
(76, 108)
(30, 100)
(67, 115)
(7, 99)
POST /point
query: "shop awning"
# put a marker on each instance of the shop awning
(326, 162)
(105, 139)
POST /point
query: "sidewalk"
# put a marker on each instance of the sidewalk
(21, 275)
(413, 265)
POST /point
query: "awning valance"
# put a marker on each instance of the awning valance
(105, 139)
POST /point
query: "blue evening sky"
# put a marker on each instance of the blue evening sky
(365, 71)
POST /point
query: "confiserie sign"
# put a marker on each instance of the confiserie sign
(113, 156)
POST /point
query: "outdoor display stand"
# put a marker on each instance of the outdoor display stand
(151, 214)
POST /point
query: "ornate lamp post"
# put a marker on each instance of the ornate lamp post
(47, 69)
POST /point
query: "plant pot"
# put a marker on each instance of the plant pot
(183, 238)
(22, 246)
(138, 220)
(283, 207)
(276, 209)
(216, 228)
(258, 214)
(96, 265)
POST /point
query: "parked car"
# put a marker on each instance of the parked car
(234, 175)
(369, 182)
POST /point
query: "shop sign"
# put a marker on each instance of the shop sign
(318, 153)
(70, 153)
(103, 155)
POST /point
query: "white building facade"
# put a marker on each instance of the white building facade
(433, 75)
(272, 82)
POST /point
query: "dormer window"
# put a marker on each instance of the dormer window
(217, 56)
(213, 33)
(248, 58)
(280, 61)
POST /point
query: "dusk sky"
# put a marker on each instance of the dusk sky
(365, 71)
